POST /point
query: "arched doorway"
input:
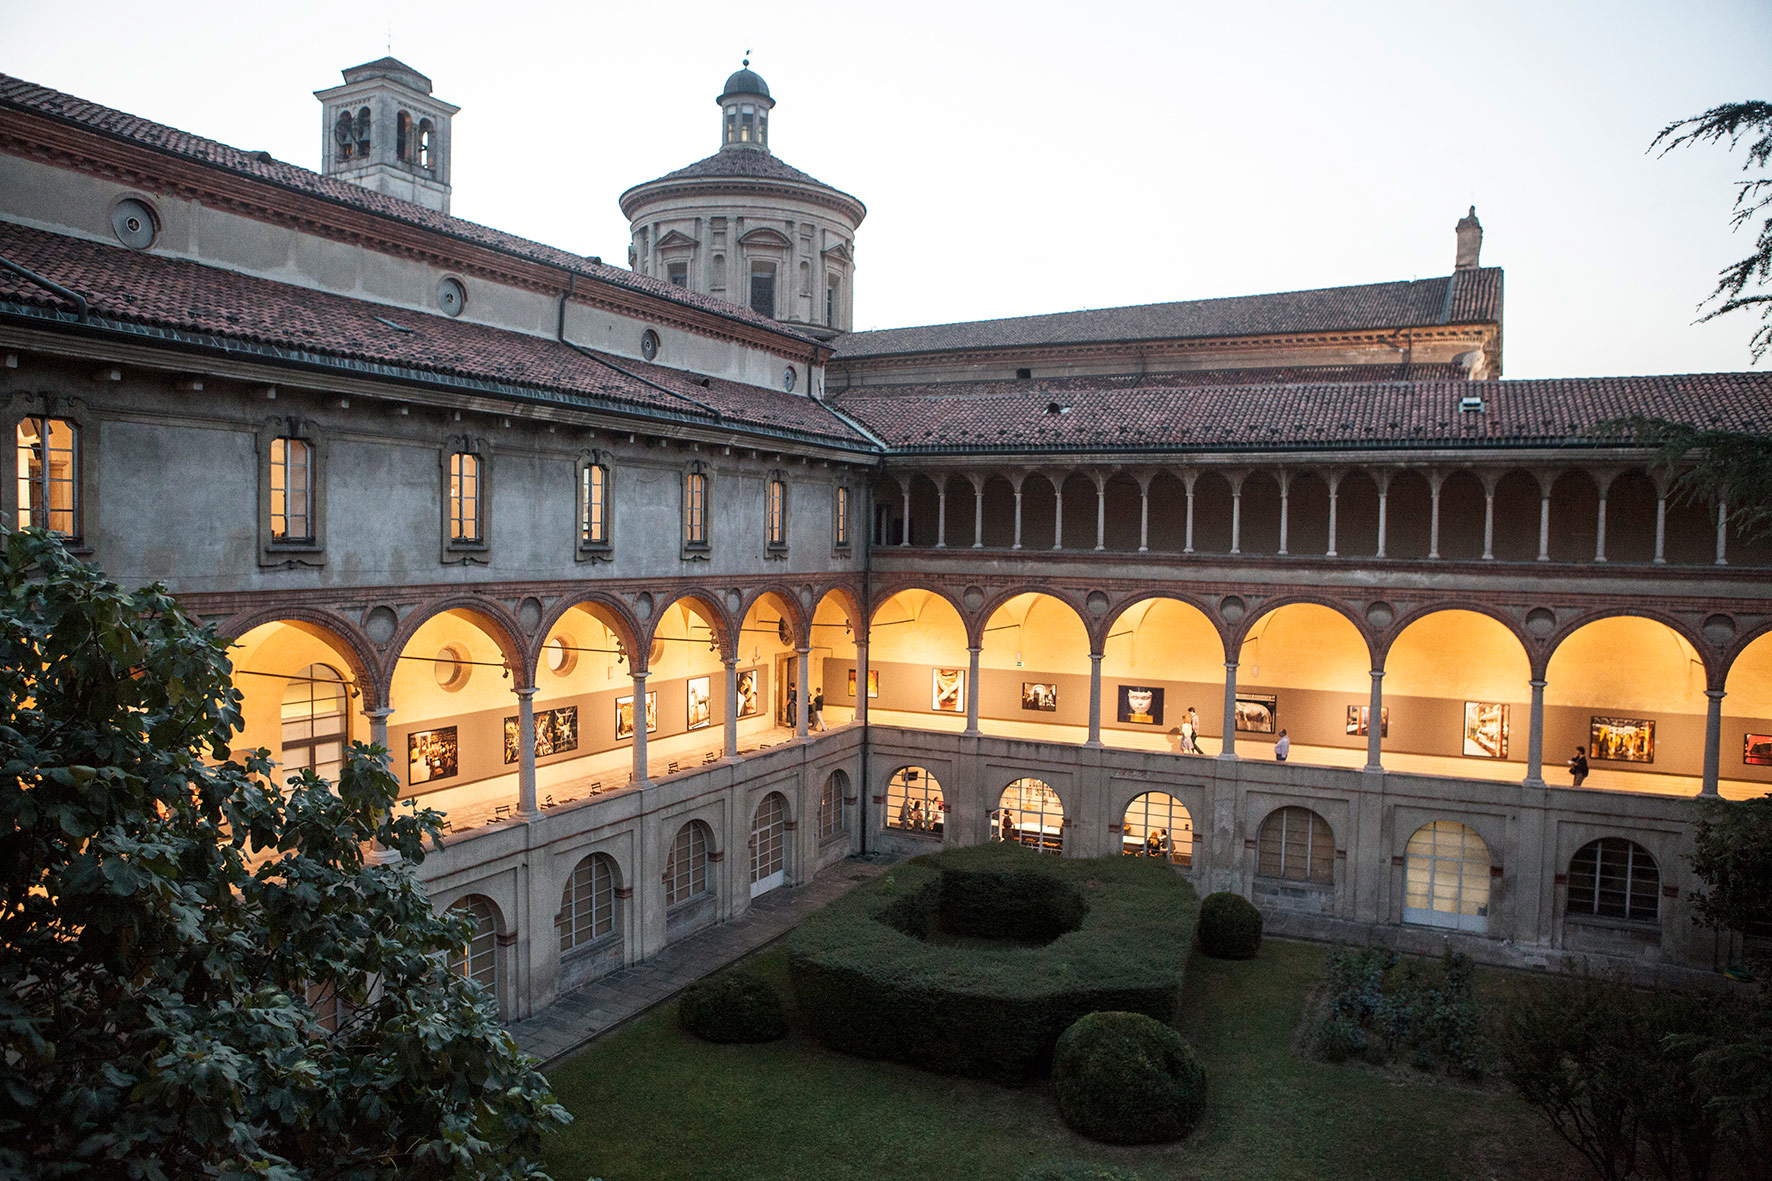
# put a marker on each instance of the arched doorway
(1300, 666)
(917, 662)
(1166, 654)
(914, 802)
(769, 844)
(833, 660)
(1446, 877)
(1456, 698)
(768, 637)
(1744, 761)
(1029, 813)
(1630, 691)
(1033, 670)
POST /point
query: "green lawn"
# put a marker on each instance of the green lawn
(652, 1102)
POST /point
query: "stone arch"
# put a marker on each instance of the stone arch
(607, 609)
(706, 604)
(1158, 809)
(352, 646)
(1239, 634)
(1105, 627)
(981, 619)
(570, 919)
(887, 594)
(1679, 627)
(489, 617)
(1036, 813)
(786, 601)
(1381, 645)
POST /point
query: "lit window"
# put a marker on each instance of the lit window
(1031, 814)
(587, 904)
(840, 515)
(778, 512)
(1446, 877)
(832, 818)
(686, 870)
(1616, 879)
(478, 958)
(593, 520)
(559, 655)
(732, 124)
(315, 724)
(464, 496)
(747, 115)
(769, 838)
(1296, 844)
(48, 475)
(695, 509)
(292, 490)
(914, 802)
(1157, 824)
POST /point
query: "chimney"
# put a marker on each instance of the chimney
(1470, 241)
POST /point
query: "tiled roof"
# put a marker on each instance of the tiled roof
(1460, 298)
(41, 100)
(742, 163)
(1024, 416)
(298, 325)
(1271, 375)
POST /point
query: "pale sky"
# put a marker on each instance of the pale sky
(1034, 156)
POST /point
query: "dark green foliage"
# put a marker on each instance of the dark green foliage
(1077, 1172)
(162, 913)
(1383, 1010)
(1031, 907)
(1732, 855)
(868, 984)
(1709, 466)
(733, 1007)
(1230, 926)
(1616, 1070)
(1124, 1078)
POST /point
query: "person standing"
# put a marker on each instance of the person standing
(1187, 737)
(1282, 747)
(816, 721)
(1578, 766)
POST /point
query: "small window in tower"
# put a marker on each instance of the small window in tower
(732, 124)
(763, 288)
(679, 274)
(763, 127)
(343, 136)
(830, 301)
(403, 138)
(427, 145)
(363, 132)
(747, 116)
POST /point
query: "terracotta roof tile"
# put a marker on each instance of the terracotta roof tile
(1269, 375)
(133, 288)
(41, 100)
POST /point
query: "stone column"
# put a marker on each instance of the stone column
(1094, 699)
(1285, 478)
(639, 772)
(977, 512)
(1660, 558)
(1600, 518)
(1227, 748)
(1018, 484)
(1057, 514)
(1188, 478)
(1237, 479)
(1713, 741)
(803, 699)
(1722, 533)
(1544, 497)
(904, 533)
(1489, 518)
(1535, 739)
(1435, 481)
(731, 663)
(1375, 723)
(972, 690)
(378, 726)
(1100, 513)
(861, 681)
(1144, 513)
(527, 807)
(1383, 480)
(941, 514)
(1334, 483)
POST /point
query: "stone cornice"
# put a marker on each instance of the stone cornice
(704, 188)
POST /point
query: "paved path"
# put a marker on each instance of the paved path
(601, 1005)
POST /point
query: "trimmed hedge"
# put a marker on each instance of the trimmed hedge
(868, 984)
(1230, 927)
(1077, 1173)
(733, 1007)
(1124, 1078)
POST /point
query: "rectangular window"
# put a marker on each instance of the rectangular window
(830, 304)
(695, 509)
(464, 496)
(840, 510)
(593, 522)
(778, 511)
(292, 495)
(763, 288)
(48, 475)
(678, 272)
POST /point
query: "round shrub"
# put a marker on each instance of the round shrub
(1230, 927)
(1124, 1078)
(733, 1007)
(1077, 1172)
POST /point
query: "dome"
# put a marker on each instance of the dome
(746, 81)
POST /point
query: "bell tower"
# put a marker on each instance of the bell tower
(384, 130)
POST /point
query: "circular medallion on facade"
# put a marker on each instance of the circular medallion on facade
(1541, 621)
(789, 378)
(529, 613)
(1232, 608)
(452, 297)
(643, 605)
(973, 598)
(134, 223)
(1098, 603)
(649, 344)
(734, 600)
(1380, 614)
(1719, 628)
(380, 624)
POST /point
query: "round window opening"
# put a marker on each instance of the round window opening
(452, 297)
(649, 344)
(452, 668)
(134, 224)
(558, 655)
(788, 378)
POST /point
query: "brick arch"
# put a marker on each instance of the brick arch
(884, 595)
(1382, 645)
(1268, 607)
(975, 627)
(348, 641)
(1098, 635)
(848, 597)
(626, 628)
(1735, 651)
(711, 610)
(799, 623)
(490, 617)
(1706, 653)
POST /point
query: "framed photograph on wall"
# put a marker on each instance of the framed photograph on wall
(1621, 740)
(947, 690)
(1756, 750)
(1485, 730)
(873, 682)
(1039, 695)
(1140, 705)
(556, 731)
(432, 754)
(750, 699)
(1257, 713)
(701, 703)
(1359, 720)
(624, 714)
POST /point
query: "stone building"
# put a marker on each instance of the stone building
(581, 545)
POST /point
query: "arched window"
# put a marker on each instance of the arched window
(1296, 844)
(1446, 877)
(478, 958)
(427, 145)
(344, 136)
(1158, 825)
(769, 844)
(587, 903)
(686, 869)
(833, 818)
(1616, 879)
(315, 725)
(914, 803)
(403, 138)
(363, 137)
(1031, 813)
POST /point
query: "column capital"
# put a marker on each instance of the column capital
(1538, 684)
(1230, 666)
(1715, 694)
(527, 692)
(1378, 674)
(1097, 656)
(380, 713)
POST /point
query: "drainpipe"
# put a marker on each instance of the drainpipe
(73, 297)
